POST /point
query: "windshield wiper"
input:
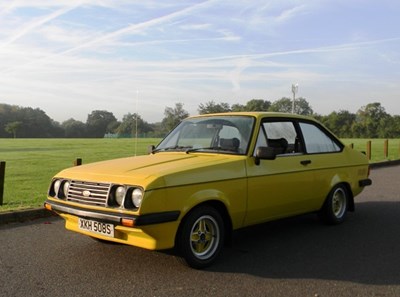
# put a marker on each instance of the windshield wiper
(170, 148)
(214, 148)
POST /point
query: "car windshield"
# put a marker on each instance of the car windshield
(214, 134)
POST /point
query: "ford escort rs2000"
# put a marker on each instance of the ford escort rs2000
(209, 176)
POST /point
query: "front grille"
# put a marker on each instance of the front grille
(88, 193)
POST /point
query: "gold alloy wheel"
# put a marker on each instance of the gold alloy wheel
(205, 237)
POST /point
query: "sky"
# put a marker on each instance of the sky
(70, 57)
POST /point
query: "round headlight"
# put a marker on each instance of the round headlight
(56, 187)
(120, 195)
(66, 188)
(137, 197)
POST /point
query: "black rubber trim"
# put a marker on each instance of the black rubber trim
(115, 218)
(157, 218)
(365, 182)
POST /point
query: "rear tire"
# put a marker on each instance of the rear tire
(334, 210)
(201, 237)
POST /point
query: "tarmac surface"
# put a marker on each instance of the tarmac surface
(292, 257)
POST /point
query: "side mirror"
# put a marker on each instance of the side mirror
(150, 149)
(265, 153)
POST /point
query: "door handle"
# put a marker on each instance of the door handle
(305, 162)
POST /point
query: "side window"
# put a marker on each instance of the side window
(281, 135)
(317, 141)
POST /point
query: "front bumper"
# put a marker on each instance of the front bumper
(114, 218)
(151, 231)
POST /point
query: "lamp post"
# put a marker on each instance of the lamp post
(295, 88)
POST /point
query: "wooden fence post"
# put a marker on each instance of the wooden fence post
(386, 149)
(2, 178)
(369, 150)
(78, 162)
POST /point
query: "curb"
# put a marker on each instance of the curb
(384, 164)
(37, 213)
(24, 215)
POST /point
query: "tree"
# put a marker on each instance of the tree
(97, 123)
(370, 119)
(56, 130)
(13, 127)
(212, 107)
(238, 107)
(73, 128)
(281, 105)
(36, 123)
(173, 116)
(252, 105)
(340, 123)
(157, 130)
(388, 127)
(132, 123)
(257, 105)
(113, 126)
(395, 127)
(7, 115)
(301, 106)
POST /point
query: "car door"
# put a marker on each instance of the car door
(283, 186)
(325, 155)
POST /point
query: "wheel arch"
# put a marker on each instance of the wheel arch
(343, 178)
(221, 208)
(350, 201)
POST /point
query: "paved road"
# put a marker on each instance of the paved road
(295, 257)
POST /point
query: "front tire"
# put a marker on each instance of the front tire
(201, 237)
(334, 210)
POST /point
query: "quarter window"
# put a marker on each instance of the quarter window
(317, 141)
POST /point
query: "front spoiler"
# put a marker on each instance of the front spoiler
(114, 218)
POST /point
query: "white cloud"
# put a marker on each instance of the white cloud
(86, 55)
(196, 26)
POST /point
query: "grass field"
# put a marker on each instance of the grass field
(31, 163)
(377, 146)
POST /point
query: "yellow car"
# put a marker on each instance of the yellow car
(211, 175)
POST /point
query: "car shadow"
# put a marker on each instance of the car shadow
(364, 249)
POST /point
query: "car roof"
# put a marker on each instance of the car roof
(257, 114)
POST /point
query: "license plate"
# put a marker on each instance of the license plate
(96, 227)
